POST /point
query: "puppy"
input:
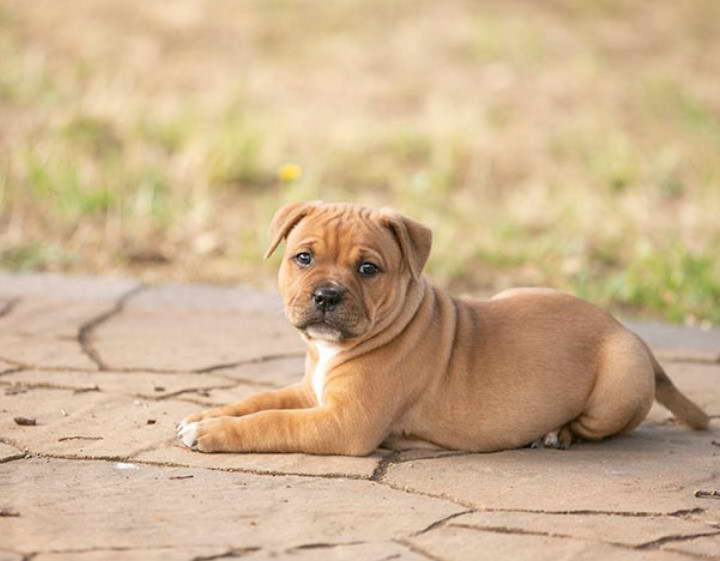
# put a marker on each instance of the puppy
(393, 360)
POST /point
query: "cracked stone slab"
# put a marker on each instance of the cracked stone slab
(654, 469)
(151, 385)
(459, 544)
(193, 328)
(88, 425)
(307, 464)
(626, 530)
(700, 382)
(144, 507)
(278, 372)
(42, 327)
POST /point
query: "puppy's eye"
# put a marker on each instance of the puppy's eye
(303, 259)
(368, 269)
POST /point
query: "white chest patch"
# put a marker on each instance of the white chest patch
(326, 352)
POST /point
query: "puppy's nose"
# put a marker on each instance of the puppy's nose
(327, 297)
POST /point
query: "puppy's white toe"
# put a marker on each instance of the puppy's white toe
(551, 439)
(180, 427)
(187, 433)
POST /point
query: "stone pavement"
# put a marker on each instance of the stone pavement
(107, 367)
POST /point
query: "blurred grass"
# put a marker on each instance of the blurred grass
(566, 143)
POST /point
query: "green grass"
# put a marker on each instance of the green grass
(675, 283)
(570, 144)
(33, 257)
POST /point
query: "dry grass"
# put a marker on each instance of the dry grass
(572, 143)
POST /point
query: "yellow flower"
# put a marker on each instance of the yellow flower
(289, 172)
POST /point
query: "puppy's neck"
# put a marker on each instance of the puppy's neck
(325, 350)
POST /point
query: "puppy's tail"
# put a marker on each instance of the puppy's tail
(670, 397)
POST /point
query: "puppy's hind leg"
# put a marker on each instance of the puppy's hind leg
(623, 392)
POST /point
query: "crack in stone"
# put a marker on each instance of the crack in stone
(130, 458)
(229, 554)
(12, 370)
(418, 550)
(96, 388)
(232, 384)
(196, 401)
(254, 360)
(655, 544)
(118, 548)
(85, 332)
(382, 467)
(8, 306)
(579, 512)
(441, 454)
(389, 557)
(18, 456)
(15, 363)
(514, 531)
(272, 473)
(190, 390)
(652, 545)
(442, 521)
(411, 491)
(321, 545)
(628, 514)
(210, 371)
(46, 386)
(239, 381)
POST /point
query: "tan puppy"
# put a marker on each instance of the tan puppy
(392, 359)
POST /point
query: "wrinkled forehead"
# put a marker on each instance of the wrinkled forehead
(344, 232)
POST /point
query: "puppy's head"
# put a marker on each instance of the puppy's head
(346, 268)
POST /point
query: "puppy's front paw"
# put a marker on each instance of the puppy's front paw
(208, 435)
(187, 433)
(187, 429)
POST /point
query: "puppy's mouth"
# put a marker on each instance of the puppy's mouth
(324, 327)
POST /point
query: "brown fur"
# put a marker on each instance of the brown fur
(418, 367)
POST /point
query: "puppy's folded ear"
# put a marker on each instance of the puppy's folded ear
(285, 219)
(415, 239)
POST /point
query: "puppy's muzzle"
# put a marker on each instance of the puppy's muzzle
(327, 297)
